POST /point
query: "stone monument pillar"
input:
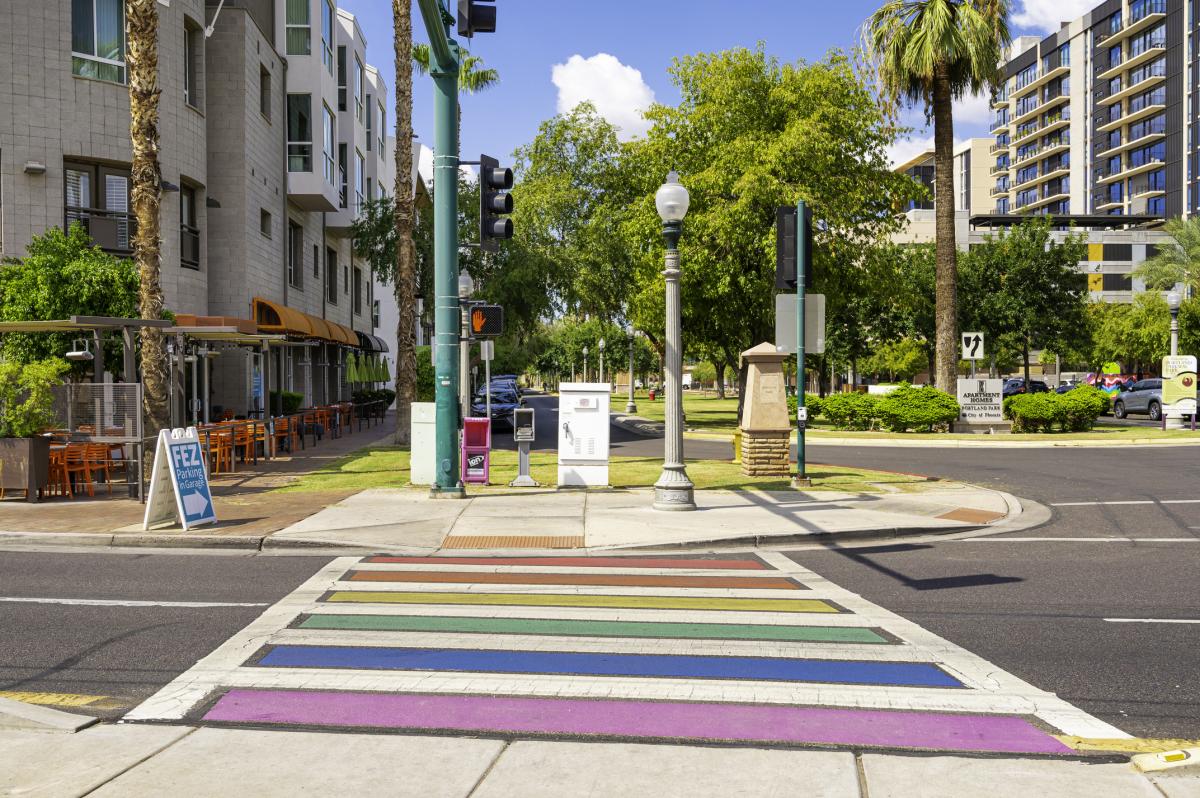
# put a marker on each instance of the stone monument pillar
(766, 426)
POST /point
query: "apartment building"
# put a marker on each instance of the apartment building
(271, 123)
(972, 190)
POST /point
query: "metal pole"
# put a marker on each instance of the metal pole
(631, 405)
(802, 480)
(487, 375)
(1174, 331)
(464, 360)
(673, 490)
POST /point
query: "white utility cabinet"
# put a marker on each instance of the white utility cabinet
(424, 443)
(583, 426)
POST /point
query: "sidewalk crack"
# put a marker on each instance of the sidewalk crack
(140, 762)
(491, 766)
(862, 776)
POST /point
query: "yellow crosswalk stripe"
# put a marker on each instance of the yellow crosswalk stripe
(1128, 745)
(59, 699)
(568, 600)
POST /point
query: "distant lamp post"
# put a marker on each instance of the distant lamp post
(601, 347)
(631, 405)
(1173, 303)
(585, 353)
(673, 490)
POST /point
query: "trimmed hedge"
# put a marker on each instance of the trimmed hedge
(1073, 411)
(924, 409)
(814, 403)
(851, 410)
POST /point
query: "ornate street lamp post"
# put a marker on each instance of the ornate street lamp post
(601, 347)
(631, 405)
(673, 490)
(1173, 304)
(585, 353)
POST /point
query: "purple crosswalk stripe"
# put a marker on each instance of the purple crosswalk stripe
(643, 719)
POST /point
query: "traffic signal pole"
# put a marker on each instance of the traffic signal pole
(802, 256)
(444, 70)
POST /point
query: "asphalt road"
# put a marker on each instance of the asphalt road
(126, 653)
(1036, 606)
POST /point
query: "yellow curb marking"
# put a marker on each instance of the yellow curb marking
(59, 699)
(1130, 745)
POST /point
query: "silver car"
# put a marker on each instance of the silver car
(1144, 396)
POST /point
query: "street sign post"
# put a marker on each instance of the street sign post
(487, 350)
(1179, 387)
(179, 482)
(786, 323)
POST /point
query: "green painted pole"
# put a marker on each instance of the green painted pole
(444, 70)
(802, 480)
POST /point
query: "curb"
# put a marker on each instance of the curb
(19, 716)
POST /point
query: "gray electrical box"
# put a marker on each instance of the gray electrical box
(523, 429)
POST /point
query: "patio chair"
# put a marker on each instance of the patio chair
(97, 455)
(59, 483)
(79, 468)
(285, 431)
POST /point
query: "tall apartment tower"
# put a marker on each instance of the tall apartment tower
(1095, 119)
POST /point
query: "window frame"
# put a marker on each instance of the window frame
(306, 26)
(331, 292)
(119, 64)
(327, 19)
(188, 226)
(360, 81)
(265, 92)
(295, 250)
(328, 146)
(299, 143)
(266, 224)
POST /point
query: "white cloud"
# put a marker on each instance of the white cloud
(903, 150)
(425, 167)
(617, 90)
(1048, 15)
(973, 110)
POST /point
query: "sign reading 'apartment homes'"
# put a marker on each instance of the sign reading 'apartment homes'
(979, 401)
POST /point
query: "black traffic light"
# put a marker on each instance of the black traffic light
(494, 200)
(476, 16)
(786, 250)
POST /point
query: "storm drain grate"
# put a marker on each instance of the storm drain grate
(513, 542)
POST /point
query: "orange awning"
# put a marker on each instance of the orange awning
(273, 317)
(343, 334)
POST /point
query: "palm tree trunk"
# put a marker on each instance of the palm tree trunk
(141, 18)
(406, 273)
(946, 255)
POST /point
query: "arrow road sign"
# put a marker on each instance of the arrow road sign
(194, 504)
(972, 346)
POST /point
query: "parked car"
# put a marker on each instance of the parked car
(1067, 386)
(1016, 385)
(1143, 396)
(504, 402)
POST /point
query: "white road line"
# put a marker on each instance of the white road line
(1153, 620)
(972, 670)
(127, 602)
(1132, 501)
(1079, 540)
(174, 700)
(871, 652)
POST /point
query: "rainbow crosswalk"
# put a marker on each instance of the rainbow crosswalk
(753, 649)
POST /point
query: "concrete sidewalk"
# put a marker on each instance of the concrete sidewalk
(139, 760)
(409, 521)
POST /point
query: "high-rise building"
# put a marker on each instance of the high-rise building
(272, 129)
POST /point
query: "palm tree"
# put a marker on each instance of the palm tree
(472, 76)
(932, 52)
(405, 286)
(1176, 262)
(141, 19)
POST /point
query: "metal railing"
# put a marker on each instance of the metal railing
(113, 231)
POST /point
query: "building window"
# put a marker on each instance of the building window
(357, 291)
(382, 131)
(299, 108)
(360, 176)
(264, 222)
(327, 146)
(375, 314)
(297, 32)
(359, 80)
(370, 195)
(264, 92)
(316, 261)
(295, 264)
(370, 125)
(189, 233)
(193, 47)
(964, 182)
(97, 197)
(344, 200)
(341, 77)
(327, 36)
(346, 279)
(331, 275)
(98, 39)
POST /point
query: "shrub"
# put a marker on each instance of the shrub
(425, 375)
(1033, 412)
(291, 402)
(851, 410)
(814, 403)
(27, 396)
(924, 409)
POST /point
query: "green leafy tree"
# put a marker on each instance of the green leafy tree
(901, 360)
(929, 53)
(63, 274)
(1135, 335)
(27, 396)
(1177, 261)
(1025, 289)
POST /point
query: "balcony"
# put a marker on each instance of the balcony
(1041, 108)
(995, 148)
(999, 191)
(1133, 61)
(1107, 177)
(998, 169)
(113, 231)
(1041, 78)
(999, 102)
(1129, 91)
(1131, 116)
(1109, 204)
(1135, 27)
(1046, 200)
(999, 125)
(1146, 190)
(1130, 145)
(1059, 120)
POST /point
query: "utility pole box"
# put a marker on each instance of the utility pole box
(583, 426)
(423, 443)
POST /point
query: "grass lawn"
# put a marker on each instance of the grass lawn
(707, 414)
(388, 467)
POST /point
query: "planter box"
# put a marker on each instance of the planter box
(24, 465)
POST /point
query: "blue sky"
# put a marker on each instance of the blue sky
(552, 53)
